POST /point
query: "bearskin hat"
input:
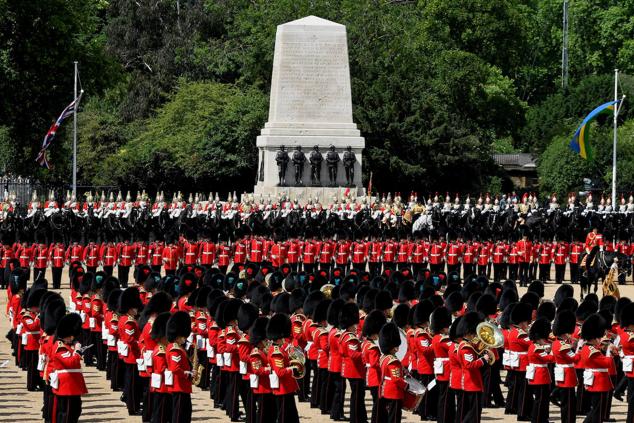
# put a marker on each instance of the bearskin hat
(593, 327)
(311, 301)
(187, 284)
(564, 291)
(592, 297)
(608, 317)
(627, 315)
(406, 292)
(568, 304)
(130, 299)
(296, 300)
(142, 274)
(422, 311)
(280, 303)
(440, 319)
(454, 302)
(251, 269)
(216, 280)
(213, 301)
(178, 325)
(247, 313)
(279, 327)
(522, 312)
(363, 289)
(400, 315)
(333, 312)
(40, 283)
(469, 324)
(437, 301)
(383, 300)
(389, 338)
(276, 280)
(586, 309)
(113, 299)
(265, 304)
(472, 300)
(546, 310)
(51, 314)
(509, 284)
(373, 323)
(495, 289)
(540, 329)
(469, 288)
(159, 303)
(453, 329)
(230, 313)
(369, 300)
(450, 290)
(159, 327)
(69, 325)
(321, 311)
(86, 283)
(505, 317)
(537, 287)
(531, 299)
(34, 298)
(486, 305)
(621, 304)
(347, 291)
(257, 333)
(392, 288)
(220, 311)
(348, 315)
(608, 302)
(565, 323)
(508, 296)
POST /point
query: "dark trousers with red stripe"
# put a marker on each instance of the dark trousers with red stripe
(630, 399)
(132, 389)
(57, 277)
(358, 413)
(286, 409)
(598, 403)
(429, 405)
(33, 378)
(541, 401)
(374, 392)
(67, 409)
(48, 399)
(583, 399)
(181, 407)
(446, 403)
(338, 396)
(389, 411)
(568, 401)
(263, 407)
(525, 400)
(232, 403)
(161, 408)
(470, 407)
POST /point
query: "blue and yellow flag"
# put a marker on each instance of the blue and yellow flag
(579, 142)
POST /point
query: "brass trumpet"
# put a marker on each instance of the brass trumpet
(488, 337)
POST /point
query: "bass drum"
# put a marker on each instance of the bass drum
(413, 394)
(402, 349)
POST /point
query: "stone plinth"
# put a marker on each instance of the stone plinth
(311, 102)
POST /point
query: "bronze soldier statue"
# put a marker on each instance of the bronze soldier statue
(349, 160)
(315, 159)
(299, 160)
(332, 160)
(282, 159)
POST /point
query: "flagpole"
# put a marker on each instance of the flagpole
(75, 138)
(616, 112)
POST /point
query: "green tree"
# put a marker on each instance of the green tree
(202, 137)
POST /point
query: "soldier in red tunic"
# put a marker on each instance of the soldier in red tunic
(31, 334)
(545, 258)
(471, 364)
(596, 360)
(524, 254)
(66, 378)
(626, 335)
(352, 367)
(283, 371)
(576, 251)
(560, 255)
(40, 260)
(108, 257)
(179, 374)
(441, 344)
(159, 391)
(57, 259)
(371, 355)
(125, 253)
(517, 400)
(393, 384)
(564, 352)
(129, 307)
(263, 404)
(537, 373)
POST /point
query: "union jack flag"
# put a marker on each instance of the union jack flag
(50, 135)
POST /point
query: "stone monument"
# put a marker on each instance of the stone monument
(310, 106)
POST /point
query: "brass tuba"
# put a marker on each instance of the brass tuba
(488, 337)
(298, 360)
